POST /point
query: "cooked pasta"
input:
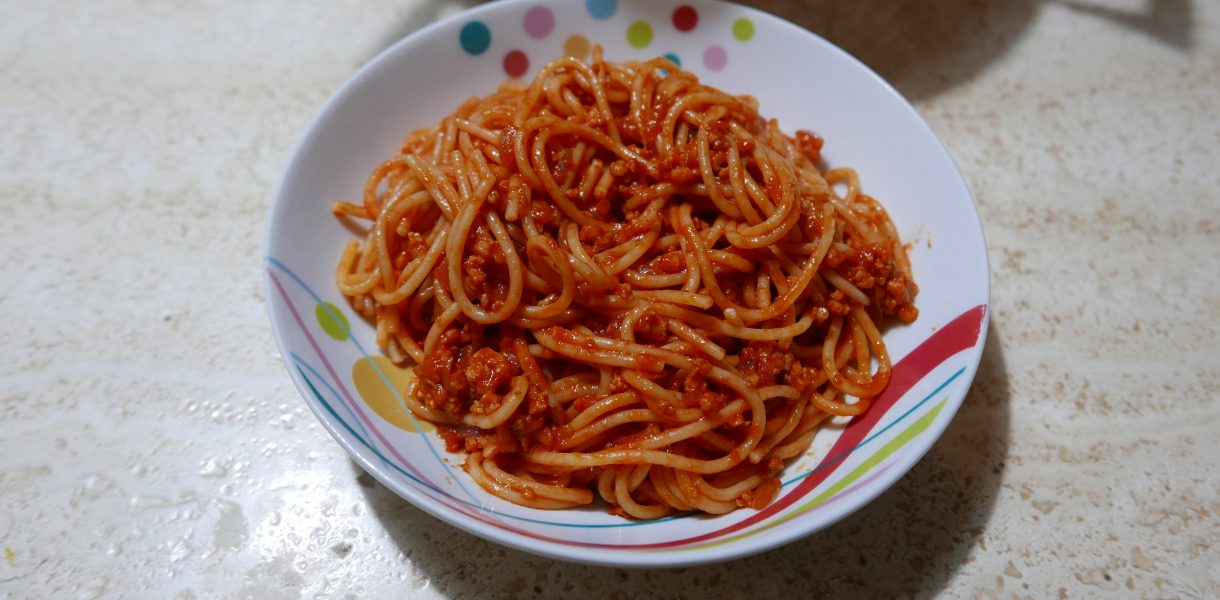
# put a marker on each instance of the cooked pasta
(617, 282)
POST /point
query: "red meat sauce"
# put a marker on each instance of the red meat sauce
(470, 370)
(872, 268)
(810, 144)
(465, 374)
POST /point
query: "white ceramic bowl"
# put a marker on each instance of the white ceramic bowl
(801, 79)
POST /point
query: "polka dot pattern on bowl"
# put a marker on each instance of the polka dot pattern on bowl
(539, 23)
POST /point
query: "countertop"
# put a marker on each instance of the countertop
(153, 445)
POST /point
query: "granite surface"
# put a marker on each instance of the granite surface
(153, 445)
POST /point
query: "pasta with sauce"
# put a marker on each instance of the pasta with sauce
(617, 282)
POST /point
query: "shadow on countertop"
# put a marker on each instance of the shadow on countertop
(923, 48)
(1169, 21)
(926, 48)
(909, 541)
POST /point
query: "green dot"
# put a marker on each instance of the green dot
(639, 34)
(743, 29)
(332, 320)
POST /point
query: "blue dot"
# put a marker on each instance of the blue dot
(674, 57)
(601, 9)
(475, 38)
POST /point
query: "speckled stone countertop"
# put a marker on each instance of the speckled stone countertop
(152, 444)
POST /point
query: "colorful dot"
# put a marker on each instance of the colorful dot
(639, 34)
(516, 63)
(383, 395)
(715, 58)
(475, 38)
(576, 46)
(743, 29)
(674, 58)
(539, 21)
(601, 9)
(685, 18)
(332, 320)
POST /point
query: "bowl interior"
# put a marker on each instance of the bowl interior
(798, 78)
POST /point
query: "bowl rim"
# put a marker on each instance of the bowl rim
(601, 556)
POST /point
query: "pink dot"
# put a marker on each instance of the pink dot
(715, 58)
(516, 63)
(539, 21)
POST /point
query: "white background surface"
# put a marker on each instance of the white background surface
(152, 445)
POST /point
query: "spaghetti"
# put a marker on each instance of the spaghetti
(618, 282)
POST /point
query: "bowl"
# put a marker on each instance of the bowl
(799, 78)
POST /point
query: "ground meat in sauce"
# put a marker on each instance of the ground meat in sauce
(810, 145)
(651, 329)
(759, 497)
(488, 371)
(463, 373)
(761, 362)
(697, 392)
(458, 380)
(801, 377)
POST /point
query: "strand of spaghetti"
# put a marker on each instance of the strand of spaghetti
(583, 460)
(688, 333)
(691, 430)
(618, 419)
(723, 327)
(597, 357)
(731, 492)
(654, 281)
(442, 191)
(662, 402)
(687, 482)
(419, 269)
(346, 264)
(783, 302)
(706, 171)
(390, 210)
(474, 466)
(633, 251)
(417, 407)
(601, 407)
(676, 297)
(507, 407)
(441, 323)
(477, 130)
(371, 204)
(664, 484)
(622, 496)
(845, 286)
(737, 183)
(787, 426)
(553, 492)
(555, 338)
(750, 187)
(582, 262)
(546, 252)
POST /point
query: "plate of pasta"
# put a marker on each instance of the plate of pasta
(633, 284)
